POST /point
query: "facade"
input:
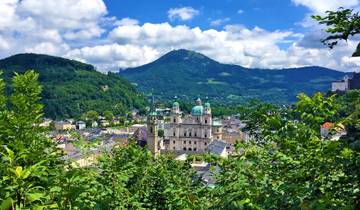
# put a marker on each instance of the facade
(348, 83)
(342, 85)
(192, 133)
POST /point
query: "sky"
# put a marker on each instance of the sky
(114, 34)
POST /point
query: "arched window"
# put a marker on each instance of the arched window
(185, 133)
(174, 120)
(189, 149)
(205, 136)
(184, 148)
(151, 130)
(205, 121)
(195, 134)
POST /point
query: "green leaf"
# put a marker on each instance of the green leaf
(6, 204)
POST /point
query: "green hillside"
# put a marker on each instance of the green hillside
(188, 74)
(71, 88)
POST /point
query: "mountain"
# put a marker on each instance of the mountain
(71, 88)
(188, 74)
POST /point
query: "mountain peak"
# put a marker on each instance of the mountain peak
(181, 55)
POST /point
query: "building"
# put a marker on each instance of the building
(347, 83)
(152, 139)
(192, 133)
(342, 85)
(80, 125)
(62, 125)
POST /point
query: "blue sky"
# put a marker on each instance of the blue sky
(270, 15)
(113, 34)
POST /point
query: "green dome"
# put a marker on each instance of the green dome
(175, 104)
(207, 105)
(197, 110)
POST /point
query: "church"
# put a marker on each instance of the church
(193, 133)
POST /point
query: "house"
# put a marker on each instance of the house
(104, 123)
(94, 124)
(45, 123)
(332, 131)
(80, 125)
(62, 125)
(218, 147)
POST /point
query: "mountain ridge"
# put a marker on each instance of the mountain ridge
(182, 72)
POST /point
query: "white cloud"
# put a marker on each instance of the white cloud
(321, 6)
(219, 22)
(75, 29)
(183, 13)
(113, 56)
(240, 11)
(126, 22)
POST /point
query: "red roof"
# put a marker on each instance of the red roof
(327, 125)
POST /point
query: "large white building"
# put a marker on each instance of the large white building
(191, 133)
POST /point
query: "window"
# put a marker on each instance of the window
(189, 142)
(189, 149)
(194, 149)
(195, 134)
(218, 137)
(174, 134)
(184, 133)
(218, 130)
(205, 136)
(194, 142)
(174, 120)
(173, 142)
(205, 143)
(184, 148)
(205, 121)
(190, 134)
(173, 148)
(151, 130)
(184, 142)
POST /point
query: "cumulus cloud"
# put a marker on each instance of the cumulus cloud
(75, 29)
(183, 13)
(321, 6)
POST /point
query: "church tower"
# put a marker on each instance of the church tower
(152, 132)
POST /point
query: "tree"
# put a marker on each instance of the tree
(30, 162)
(108, 115)
(341, 24)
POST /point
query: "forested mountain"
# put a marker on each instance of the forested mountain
(188, 74)
(71, 88)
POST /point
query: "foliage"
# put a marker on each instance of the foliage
(341, 25)
(288, 165)
(71, 88)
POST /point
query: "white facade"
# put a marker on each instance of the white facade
(342, 85)
(192, 133)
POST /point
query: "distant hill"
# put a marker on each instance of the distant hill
(188, 74)
(71, 88)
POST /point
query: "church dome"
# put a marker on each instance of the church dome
(176, 104)
(197, 110)
(207, 105)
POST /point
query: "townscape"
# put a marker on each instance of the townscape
(239, 105)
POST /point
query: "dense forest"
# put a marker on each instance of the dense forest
(287, 166)
(71, 88)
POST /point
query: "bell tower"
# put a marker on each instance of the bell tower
(152, 132)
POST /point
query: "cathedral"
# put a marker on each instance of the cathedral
(191, 133)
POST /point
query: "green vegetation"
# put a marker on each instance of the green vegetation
(188, 75)
(342, 25)
(71, 88)
(287, 166)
